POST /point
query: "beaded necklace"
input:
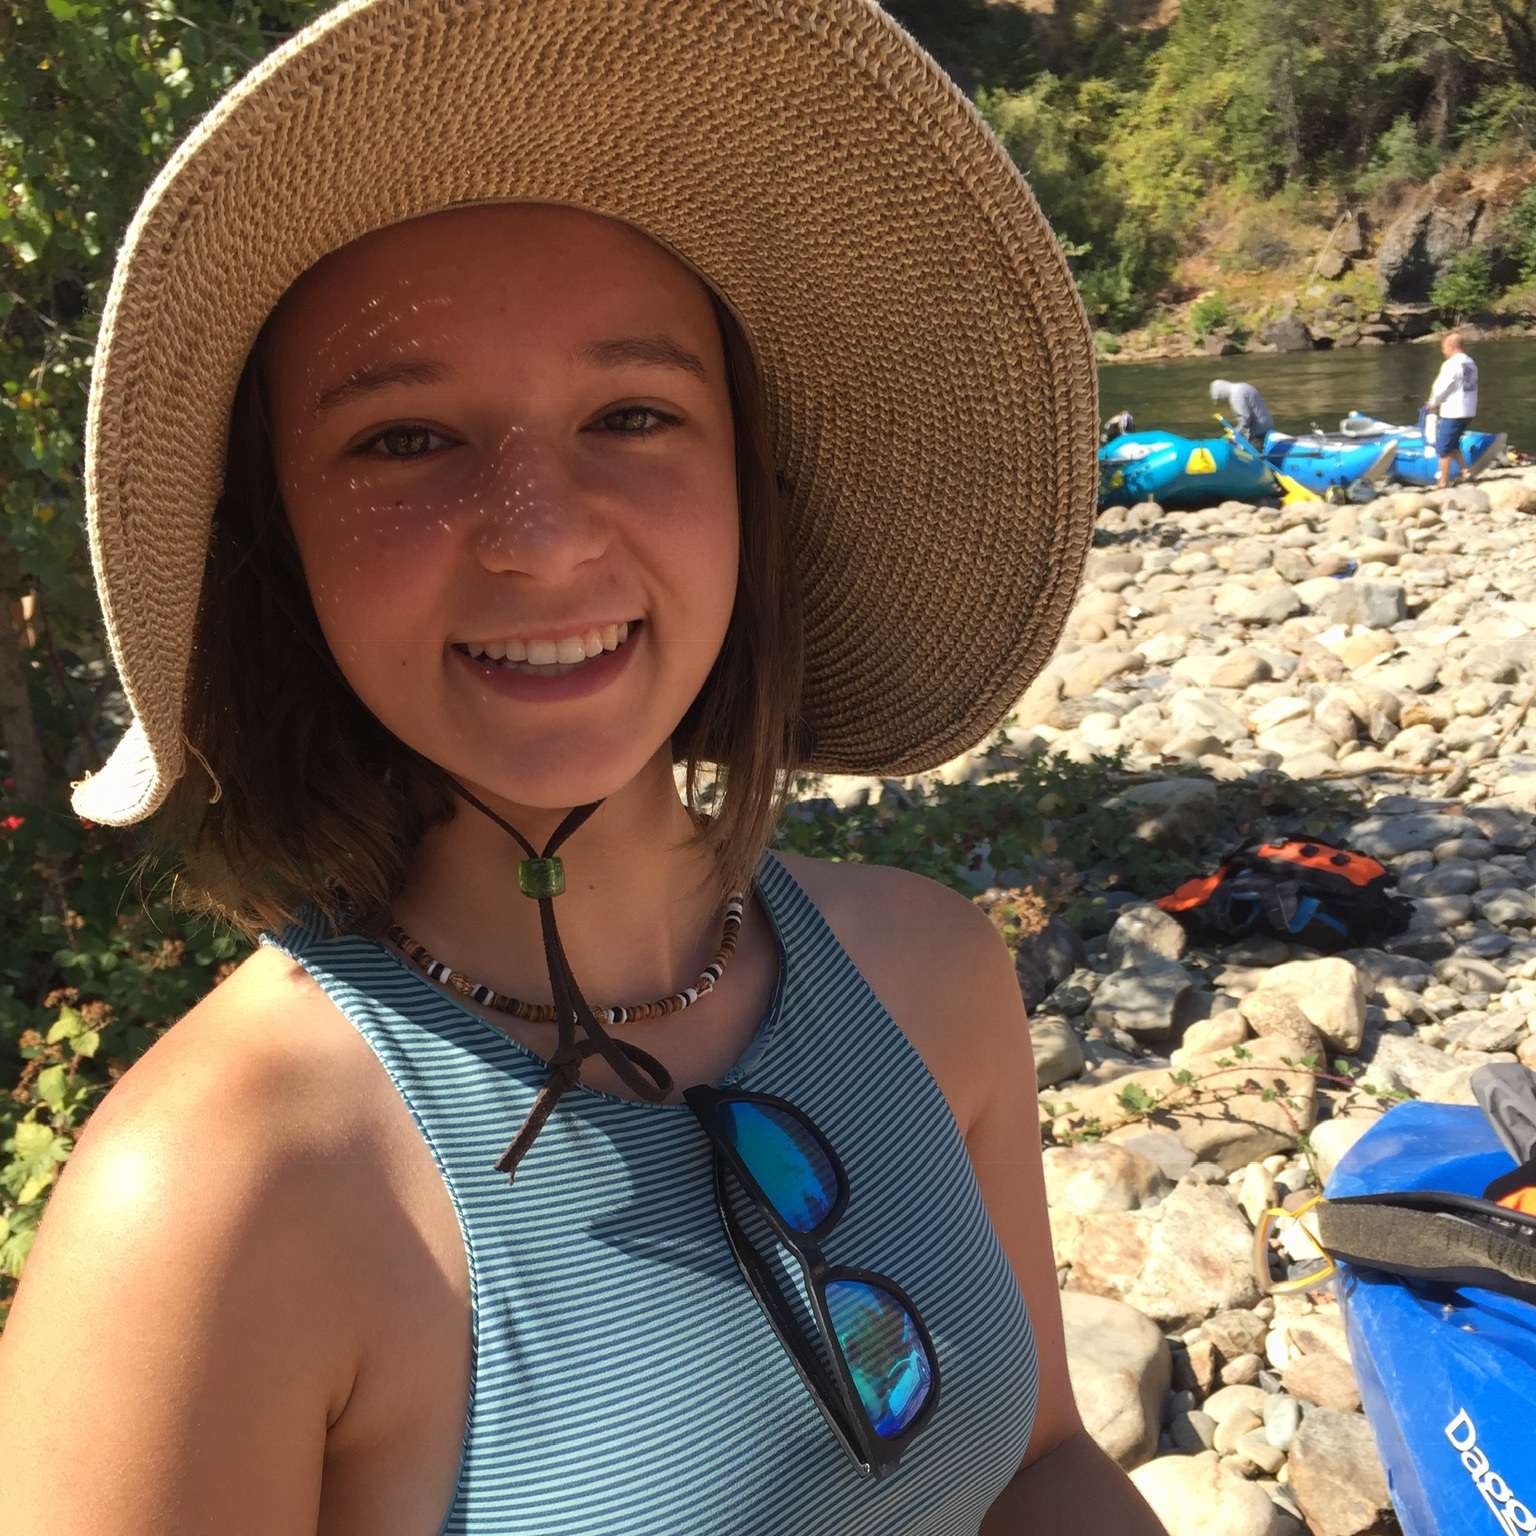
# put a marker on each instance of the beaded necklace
(545, 1013)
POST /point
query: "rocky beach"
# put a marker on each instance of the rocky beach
(1388, 649)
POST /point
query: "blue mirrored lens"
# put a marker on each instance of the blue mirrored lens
(884, 1351)
(786, 1160)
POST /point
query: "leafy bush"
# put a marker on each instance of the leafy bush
(92, 98)
(1500, 120)
(1400, 156)
(1519, 231)
(1053, 825)
(1466, 288)
(1211, 312)
(1056, 132)
(88, 980)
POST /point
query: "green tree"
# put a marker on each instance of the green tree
(1466, 288)
(1520, 233)
(92, 98)
(1057, 132)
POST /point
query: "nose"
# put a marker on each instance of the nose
(534, 519)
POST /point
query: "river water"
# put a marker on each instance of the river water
(1305, 387)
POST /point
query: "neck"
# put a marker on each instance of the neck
(639, 918)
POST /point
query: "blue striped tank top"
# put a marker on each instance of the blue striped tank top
(624, 1381)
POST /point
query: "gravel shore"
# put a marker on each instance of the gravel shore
(1391, 647)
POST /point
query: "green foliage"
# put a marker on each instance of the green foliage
(1240, 96)
(1211, 312)
(1400, 157)
(92, 99)
(1467, 288)
(1055, 826)
(1519, 231)
(1057, 132)
(1501, 119)
(975, 41)
(89, 977)
(1046, 820)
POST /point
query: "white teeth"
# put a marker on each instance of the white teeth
(569, 651)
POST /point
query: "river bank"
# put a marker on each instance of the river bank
(1340, 324)
(1323, 386)
(1389, 648)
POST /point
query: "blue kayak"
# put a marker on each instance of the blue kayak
(1447, 1372)
(1416, 462)
(1180, 471)
(1328, 466)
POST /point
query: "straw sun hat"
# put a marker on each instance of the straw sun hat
(928, 367)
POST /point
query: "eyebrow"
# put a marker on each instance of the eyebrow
(364, 381)
(617, 352)
(647, 351)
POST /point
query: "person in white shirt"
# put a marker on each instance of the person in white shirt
(1454, 397)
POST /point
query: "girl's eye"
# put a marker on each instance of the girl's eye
(636, 421)
(402, 443)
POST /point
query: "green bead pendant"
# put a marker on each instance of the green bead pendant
(539, 878)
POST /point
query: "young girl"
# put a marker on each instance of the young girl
(498, 406)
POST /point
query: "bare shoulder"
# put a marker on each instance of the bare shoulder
(191, 1222)
(262, 1046)
(935, 961)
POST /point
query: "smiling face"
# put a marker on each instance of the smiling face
(503, 438)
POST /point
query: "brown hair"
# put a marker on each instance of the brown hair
(314, 803)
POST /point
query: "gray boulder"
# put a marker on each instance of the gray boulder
(1197, 1496)
(1146, 933)
(1336, 1474)
(1095, 1176)
(1118, 1363)
(1058, 1051)
(1174, 813)
(1143, 1001)
(1417, 247)
(1287, 334)
(1370, 604)
(1177, 1261)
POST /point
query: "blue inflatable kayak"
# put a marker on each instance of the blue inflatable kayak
(1328, 466)
(1416, 462)
(1180, 471)
(1447, 1370)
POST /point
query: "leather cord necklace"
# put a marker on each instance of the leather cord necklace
(541, 876)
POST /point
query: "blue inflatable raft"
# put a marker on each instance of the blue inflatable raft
(1446, 1366)
(1416, 462)
(1180, 471)
(1328, 466)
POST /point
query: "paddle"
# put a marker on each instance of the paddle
(1292, 491)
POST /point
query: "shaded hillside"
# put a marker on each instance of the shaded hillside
(1152, 130)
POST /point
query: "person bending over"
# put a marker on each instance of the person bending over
(1251, 415)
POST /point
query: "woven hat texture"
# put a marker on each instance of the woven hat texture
(929, 369)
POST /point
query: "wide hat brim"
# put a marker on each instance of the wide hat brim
(928, 367)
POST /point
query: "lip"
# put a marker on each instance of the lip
(589, 678)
